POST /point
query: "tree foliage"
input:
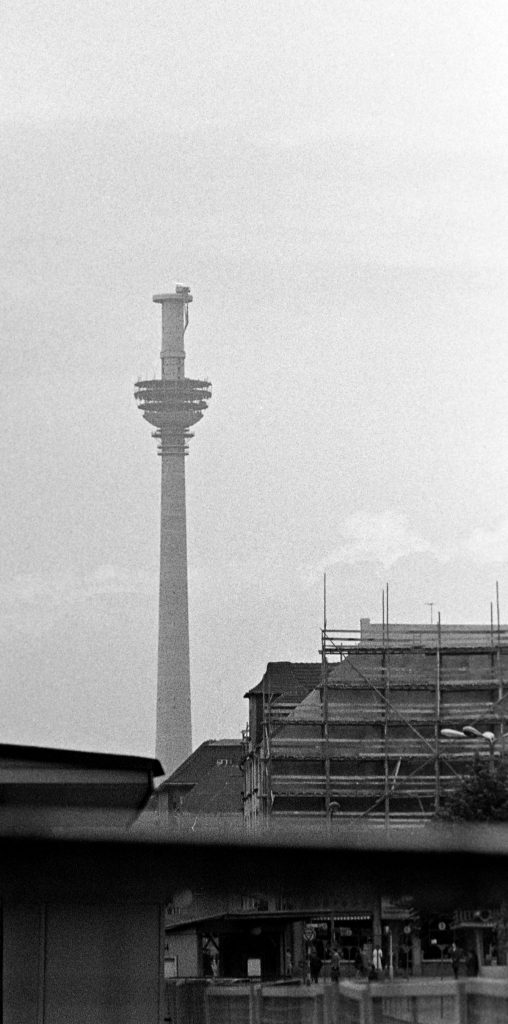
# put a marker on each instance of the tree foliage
(482, 795)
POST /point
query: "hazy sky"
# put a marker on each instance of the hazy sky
(330, 179)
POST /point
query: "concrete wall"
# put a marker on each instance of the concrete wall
(67, 963)
(185, 946)
(23, 964)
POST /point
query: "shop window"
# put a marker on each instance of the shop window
(352, 935)
(436, 936)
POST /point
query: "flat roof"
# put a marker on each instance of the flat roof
(85, 758)
(268, 917)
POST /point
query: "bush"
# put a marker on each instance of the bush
(482, 795)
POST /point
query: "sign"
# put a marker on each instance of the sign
(345, 932)
(309, 933)
(442, 926)
(394, 909)
(170, 967)
(253, 968)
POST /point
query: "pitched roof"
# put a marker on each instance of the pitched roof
(290, 679)
(210, 780)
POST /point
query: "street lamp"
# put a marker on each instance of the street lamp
(469, 732)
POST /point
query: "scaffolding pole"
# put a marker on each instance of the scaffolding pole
(325, 733)
(437, 726)
(499, 667)
(267, 737)
(325, 727)
(386, 668)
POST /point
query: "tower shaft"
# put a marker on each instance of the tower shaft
(174, 732)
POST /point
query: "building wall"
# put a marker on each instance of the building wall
(69, 963)
(23, 963)
(185, 946)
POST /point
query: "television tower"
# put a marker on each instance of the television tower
(172, 405)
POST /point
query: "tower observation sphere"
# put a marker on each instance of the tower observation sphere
(173, 404)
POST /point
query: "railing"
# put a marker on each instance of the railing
(413, 1001)
(349, 1004)
(417, 1001)
(269, 1004)
(487, 1002)
(399, 637)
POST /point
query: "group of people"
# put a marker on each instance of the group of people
(315, 964)
(455, 953)
(372, 968)
(375, 969)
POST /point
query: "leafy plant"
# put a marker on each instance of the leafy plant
(481, 795)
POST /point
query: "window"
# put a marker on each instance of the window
(437, 936)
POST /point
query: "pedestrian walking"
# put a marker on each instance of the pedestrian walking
(315, 964)
(455, 954)
(376, 964)
(359, 964)
(472, 965)
(335, 966)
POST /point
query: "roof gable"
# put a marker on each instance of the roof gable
(288, 679)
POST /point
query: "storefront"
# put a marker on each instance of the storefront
(235, 945)
(282, 943)
(479, 930)
(351, 935)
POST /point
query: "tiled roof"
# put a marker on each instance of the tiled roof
(210, 780)
(289, 679)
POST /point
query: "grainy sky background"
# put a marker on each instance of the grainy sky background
(330, 179)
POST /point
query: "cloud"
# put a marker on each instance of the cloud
(385, 537)
(377, 546)
(377, 537)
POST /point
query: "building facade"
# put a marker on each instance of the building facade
(359, 736)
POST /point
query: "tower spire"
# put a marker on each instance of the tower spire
(172, 405)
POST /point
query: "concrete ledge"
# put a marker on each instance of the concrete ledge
(497, 971)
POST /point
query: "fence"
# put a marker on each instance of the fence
(185, 1001)
(487, 1002)
(256, 1004)
(423, 1001)
(417, 1001)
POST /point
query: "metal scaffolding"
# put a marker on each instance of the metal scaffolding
(366, 742)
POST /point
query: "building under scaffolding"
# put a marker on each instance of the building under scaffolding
(359, 735)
